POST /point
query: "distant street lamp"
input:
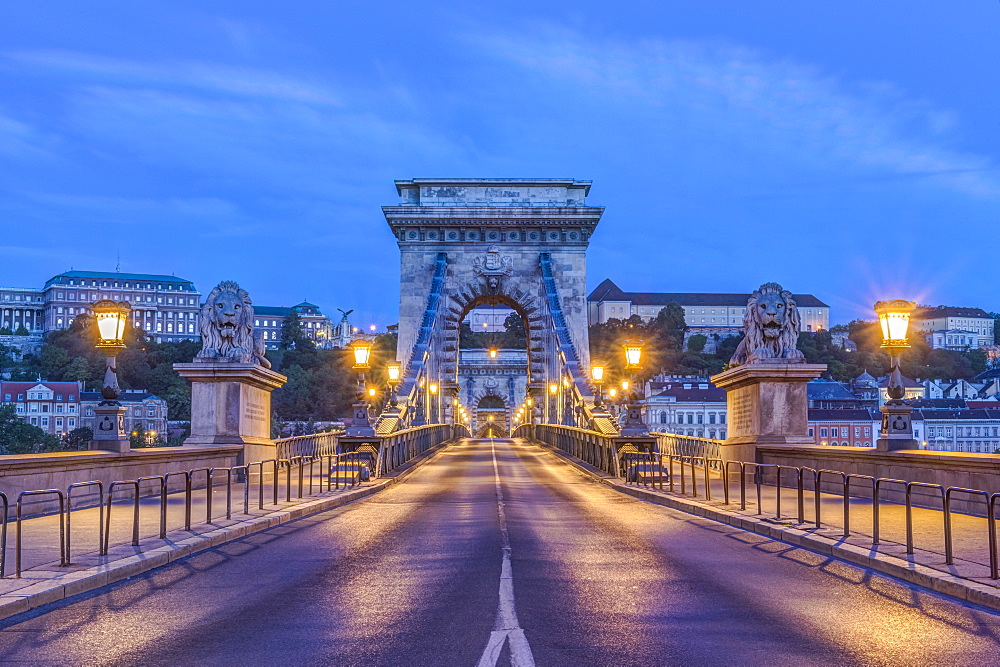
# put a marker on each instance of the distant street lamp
(633, 425)
(597, 375)
(394, 370)
(897, 426)
(361, 424)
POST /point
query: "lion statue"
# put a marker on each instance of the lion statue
(771, 324)
(227, 327)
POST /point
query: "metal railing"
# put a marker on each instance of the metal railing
(399, 447)
(315, 444)
(658, 471)
(595, 448)
(686, 445)
(335, 471)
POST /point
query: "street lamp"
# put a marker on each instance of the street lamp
(633, 426)
(109, 422)
(597, 374)
(111, 319)
(897, 427)
(360, 425)
(395, 371)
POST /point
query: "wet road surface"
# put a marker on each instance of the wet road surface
(452, 568)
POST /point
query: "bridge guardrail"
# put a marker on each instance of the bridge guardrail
(314, 444)
(595, 448)
(335, 470)
(401, 446)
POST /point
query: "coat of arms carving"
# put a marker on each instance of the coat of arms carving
(493, 267)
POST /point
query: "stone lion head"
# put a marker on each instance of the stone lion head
(771, 325)
(227, 326)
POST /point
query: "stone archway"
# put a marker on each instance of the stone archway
(517, 242)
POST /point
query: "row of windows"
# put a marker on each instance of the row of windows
(694, 417)
(844, 431)
(58, 423)
(131, 298)
(963, 431)
(124, 285)
(847, 443)
(40, 396)
(701, 433)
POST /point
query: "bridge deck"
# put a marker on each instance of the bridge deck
(414, 575)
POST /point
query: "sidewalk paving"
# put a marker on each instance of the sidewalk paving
(43, 579)
(967, 578)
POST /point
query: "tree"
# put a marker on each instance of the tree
(19, 437)
(696, 343)
(515, 336)
(670, 323)
(5, 331)
(77, 439)
(293, 336)
(22, 331)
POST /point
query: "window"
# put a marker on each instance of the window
(72, 422)
(843, 431)
(711, 417)
(868, 432)
(663, 416)
(857, 431)
(701, 418)
(822, 433)
(811, 432)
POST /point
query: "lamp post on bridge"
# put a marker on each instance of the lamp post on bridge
(633, 425)
(897, 426)
(394, 370)
(109, 431)
(361, 424)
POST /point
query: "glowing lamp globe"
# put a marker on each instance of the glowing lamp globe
(553, 388)
(633, 353)
(111, 318)
(894, 318)
(493, 354)
(362, 350)
(434, 388)
(394, 370)
(612, 392)
(597, 371)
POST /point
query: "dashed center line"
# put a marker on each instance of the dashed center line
(506, 627)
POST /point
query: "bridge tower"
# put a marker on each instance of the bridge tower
(520, 243)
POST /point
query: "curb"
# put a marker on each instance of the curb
(893, 566)
(69, 584)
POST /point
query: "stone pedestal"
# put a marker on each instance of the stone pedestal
(897, 428)
(231, 405)
(767, 404)
(109, 429)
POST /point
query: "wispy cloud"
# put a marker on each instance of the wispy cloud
(213, 77)
(749, 98)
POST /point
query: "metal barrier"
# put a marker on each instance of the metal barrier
(335, 465)
(62, 525)
(395, 449)
(315, 444)
(69, 516)
(595, 448)
(3, 536)
(686, 445)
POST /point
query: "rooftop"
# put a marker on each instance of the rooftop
(609, 291)
(930, 313)
(62, 278)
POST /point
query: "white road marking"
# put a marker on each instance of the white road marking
(506, 627)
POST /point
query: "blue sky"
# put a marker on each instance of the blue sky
(846, 149)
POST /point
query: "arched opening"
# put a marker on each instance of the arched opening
(493, 365)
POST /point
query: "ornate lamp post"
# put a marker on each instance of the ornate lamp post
(109, 414)
(361, 425)
(897, 426)
(435, 417)
(395, 371)
(597, 375)
(633, 425)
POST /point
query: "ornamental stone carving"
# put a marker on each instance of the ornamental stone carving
(771, 326)
(227, 328)
(493, 267)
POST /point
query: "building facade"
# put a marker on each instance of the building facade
(167, 308)
(975, 430)
(54, 407)
(686, 406)
(844, 427)
(317, 326)
(946, 319)
(703, 312)
(953, 339)
(143, 411)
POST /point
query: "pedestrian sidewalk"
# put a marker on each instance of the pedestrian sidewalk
(44, 579)
(967, 577)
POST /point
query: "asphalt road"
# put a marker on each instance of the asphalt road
(415, 575)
